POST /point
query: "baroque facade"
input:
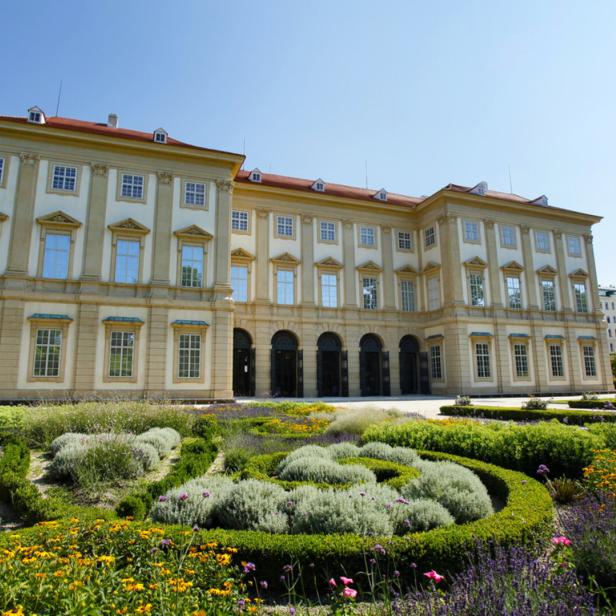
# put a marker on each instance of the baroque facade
(132, 264)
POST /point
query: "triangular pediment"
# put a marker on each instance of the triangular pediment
(129, 225)
(370, 266)
(241, 254)
(579, 273)
(431, 266)
(195, 232)
(476, 262)
(513, 266)
(329, 262)
(406, 269)
(286, 258)
(58, 218)
(547, 270)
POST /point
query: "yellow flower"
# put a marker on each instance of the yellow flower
(144, 609)
(74, 585)
(17, 611)
(105, 559)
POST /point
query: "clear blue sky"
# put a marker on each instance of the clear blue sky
(427, 92)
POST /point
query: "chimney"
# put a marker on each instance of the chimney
(112, 120)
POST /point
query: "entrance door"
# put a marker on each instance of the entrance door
(329, 365)
(243, 364)
(286, 365)
(370, 366)
(409, 365)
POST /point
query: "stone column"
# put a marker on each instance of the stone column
(307, 269)
(95, 224)
(263, 348)
(222, 279)
(23, 216)
(494, 271)
(450, 255)
(563, 278)
(538, 355)
(85, 351)
(262, 261)
(389, 282)
(352, 341)
(575, 361)
(156, 361)
(529, 268)
(162, 230)
(11, 327)
(348, 252)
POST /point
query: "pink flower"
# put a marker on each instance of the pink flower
(433, 575)
(561, 541)
(332, 582)
(349, 593)
(345, 580)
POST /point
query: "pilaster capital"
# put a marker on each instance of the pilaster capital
(263, 213)
(525, 229)
(99, 169)
(307, 219)
(386, 229)
(588, 238)
(164, 177)
(29, 159)
(224, 186)
(348, 224)
(557, 234)
(488, 223)
(447, 218)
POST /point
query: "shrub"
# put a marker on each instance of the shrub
(565, 490)
(605, 431)
(131, 506)
(206, 427)
(589, 404)
(70, 438)
(162, 439)
(588, 395)
(344, 450)
(383, 451)
(357, 420)
(309, 451)
(145, 455)
(420, 515)
(322, 470)
(236, 460)
(463, 400)
(535, 404)
(105, 461)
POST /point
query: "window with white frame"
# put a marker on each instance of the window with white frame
(1, 170)
(369, 292)
(56, 255)
(475, 282)
(64, 178)
(239, 220)
(284, 226)
(590, 366)
(434, 292)
(574, 246)
(514, 291)
(327, 231)
(405, 240)
(436, 365)
(471, 231)
(542, 241)
(556, 360)
(194, 194)
(132, 186)
(189, 356)
(520, 360)
(47, 352)
(482, 357)
(581, 300)
(192, 265)
(329, 290)
(508, 236)
(367, 236)
(429, 237)
(127, 261)
(407, 295)
(121, 352)
(239, 282)
(285, 286)
(549, 294)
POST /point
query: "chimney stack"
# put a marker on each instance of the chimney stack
(112, 120)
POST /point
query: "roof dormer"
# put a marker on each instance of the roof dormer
(381, 195)
(36, 115)
(255, 175)
(160, 136)
(542, 200)
(479, 189)
(319, 185)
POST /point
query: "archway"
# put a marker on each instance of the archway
(409, 365)
(243, 364)
(286, 365)
(332, 366)
(373, 367)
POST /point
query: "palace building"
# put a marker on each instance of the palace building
(136, 265)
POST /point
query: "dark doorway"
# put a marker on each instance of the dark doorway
(332, 369)
(287, 368)
(243, 364)
(409, 365)
(372, 365)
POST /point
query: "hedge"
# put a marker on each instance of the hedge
(590, 404)
(578, 418)
(566, 450)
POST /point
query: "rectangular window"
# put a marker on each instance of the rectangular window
(475, 281)
(520, 357)
(407, 295)
(436, 366)
(64, 178)
(328, 231)
(542, 241)
(434, 293)
(192, 266)
(329, 290)
(127, 261)
(514, 293)
(189, 356)
(284, 226)
(482, 353)
(367, 236)
(590, 367)
(132, 186)
(405, 240)
(369, 290)
(574, 246)
(549, 295)
(121, 348)
(556, 360)
(429, 237)
(581, 301)
(508, 237)
(1, 170)
(47, 349)
(239, 282)
(194, 194)
(471, 231)
(56, 256)
(239, 220)
(286, 286)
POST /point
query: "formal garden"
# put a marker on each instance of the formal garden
(299, 508)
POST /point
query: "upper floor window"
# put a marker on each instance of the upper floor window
(239, 220)
(36, 116)
(407, 295)
(542, 241)
(370, 294)
(132, 186)
(429, 237)
(475, 281)
(434, 293)
(471, 231)
(192, 265)
(405, 240)
(160, 135)
(255, 175)
(508, 236)
(284, 226)
(239, 282)
(514, 292)
(56, 255)
(285, 286)
(581, 300)
(327, 231)
(127, 261)
(64, 178)
(194, 194)
(1, 171)
(367, 236)
(329, 290)
(574, 246)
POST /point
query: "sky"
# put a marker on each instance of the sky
(426, 92)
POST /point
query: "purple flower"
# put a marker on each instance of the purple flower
(183, 497)
(206, 494)
(162, 498)
(362, 493)
(283, 579)
(388, 506)
(396, 573)
(263, 584)
(287, 568)
(379, 549)
(543, 470)
(241, 603)
(165, 543)
(413, 565)
(292, 611)
(248, 567)
(402, 501)
(195, 528)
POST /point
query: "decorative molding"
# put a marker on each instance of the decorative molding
(224, 186)
(430, 267)
(128, 225)
(3, 217)
(263, 213)
(386, 229)
(241, 255)
(525, 229)
(557, 234)
(286, 259)
(29, 159)
(164, 177)
(512, 266)
(579, 274)
(369, 266)
(475, 263)
(488, 223)
(348, 224)
(307, 219)
(193, 232)
(588, 238)
(329, 263)
(547, 271)
(99, 169)
(58, 219)
(406, 271)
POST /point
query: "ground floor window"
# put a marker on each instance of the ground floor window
(482, 357)
(436, 365)
(47, 351)
(520, 358)
(590, 366)
(121, 350)
(189, 357)
(556, 360)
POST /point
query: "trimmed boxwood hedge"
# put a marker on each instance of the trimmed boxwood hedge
(590, 404)
(578, 418)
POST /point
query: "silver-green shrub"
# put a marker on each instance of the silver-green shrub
(383, 451)
(324, 470)
(418, 515)
(66, 439)
(145, 454)
(309, 451)
(344, 450)
(162, 439)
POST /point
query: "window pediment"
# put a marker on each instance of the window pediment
(406, 270)
(431, 266)
(194, 233)
(578, 274)
(239, 255)
(512, 267)
(475, 263)
(369, 267)
(129, 225)
(58, 219)
(286, 259)
(547, 271)
(329, 263)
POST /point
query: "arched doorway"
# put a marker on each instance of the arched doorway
(243, 364)
(286, 365)
(409, 365)
(332, 366)
(373, 367)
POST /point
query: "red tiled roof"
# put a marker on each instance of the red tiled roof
(489, 193)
